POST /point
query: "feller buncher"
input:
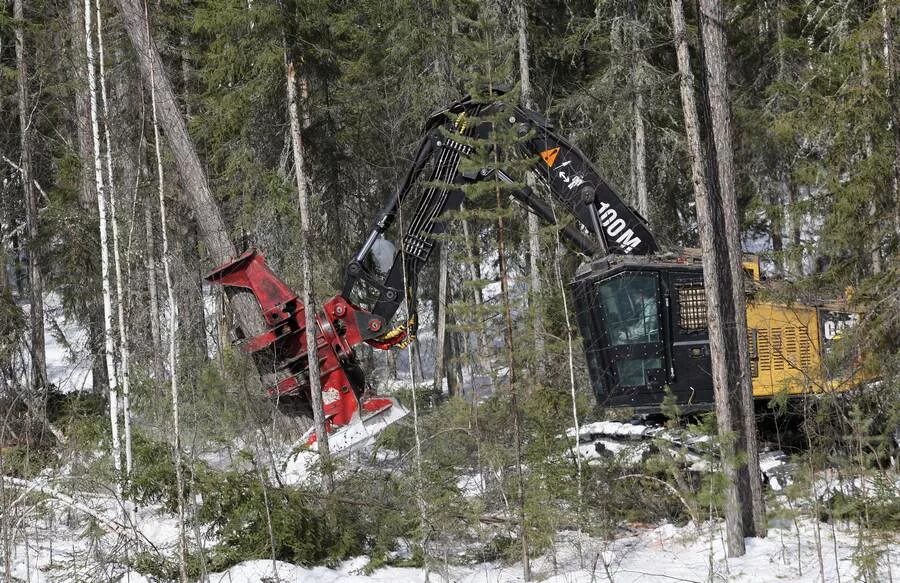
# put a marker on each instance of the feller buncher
(641, 312)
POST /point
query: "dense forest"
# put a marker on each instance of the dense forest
(146, 143)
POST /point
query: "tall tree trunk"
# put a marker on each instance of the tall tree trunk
(888, 19)
(473, 261)
(308, 296)
(869, 149)
(213, 231)
(153, 292)
(716, 277)
(173, 336)
(640, 140)
(120, 293)
(87, 192)
(35, 277)
(440, 340)
(189, 289)
(108, 338)
(534, 240)
(712, 20)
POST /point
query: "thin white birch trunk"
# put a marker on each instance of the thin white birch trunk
(173, 334)
(308, 298)
(571, 354)
(108, 340)
(153, 289)
(120, 294)
(440, 341)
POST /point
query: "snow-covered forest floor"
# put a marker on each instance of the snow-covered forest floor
(58, 544)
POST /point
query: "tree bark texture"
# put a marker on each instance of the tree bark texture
(712, 20)
(108, 338)
(35, 277)
(889, 12)
(640, 139)
(153, 291)
(716, 278)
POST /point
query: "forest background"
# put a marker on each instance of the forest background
(814, 89)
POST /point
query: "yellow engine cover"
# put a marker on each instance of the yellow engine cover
(786, 350)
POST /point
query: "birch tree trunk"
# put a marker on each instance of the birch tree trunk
(716, 274)
(108, 341)
(534, 240)
(153, 292)
(120, 293)
(440, 341)
(193, 176)
(308, 297)
(35, 277)
(173, 338)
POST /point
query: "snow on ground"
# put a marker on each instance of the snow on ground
(68, 359)
(51, 544)
(662, 554)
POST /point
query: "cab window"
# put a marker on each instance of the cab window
(630, 305)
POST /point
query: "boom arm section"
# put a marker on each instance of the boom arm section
(607, 224)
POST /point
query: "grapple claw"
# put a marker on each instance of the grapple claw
(340, 326)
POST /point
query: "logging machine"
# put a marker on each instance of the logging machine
(641, 313)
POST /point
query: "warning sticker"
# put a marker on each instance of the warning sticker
(549, 156)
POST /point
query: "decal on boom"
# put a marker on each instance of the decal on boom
(549, 156)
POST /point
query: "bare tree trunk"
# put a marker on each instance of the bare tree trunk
(193, 176)
(640, 139)
(472, 260)
(35, 277)
(718, 294)
(173, 338)
(440, 341)
(712, 19)
(308, 296)
(869, 149)
(150, 268)
(108, 342)
(120, 294)
(888, 18)
(534, 240)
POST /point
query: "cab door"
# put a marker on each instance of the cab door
(630, 318)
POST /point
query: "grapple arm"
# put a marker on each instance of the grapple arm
(341, 326)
